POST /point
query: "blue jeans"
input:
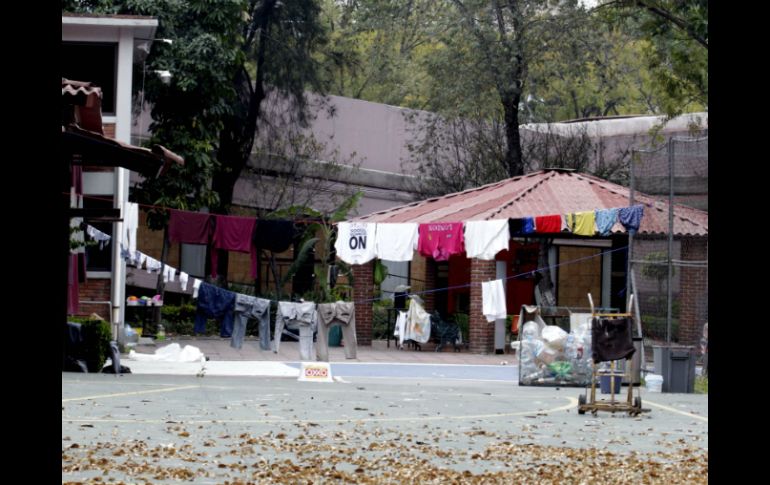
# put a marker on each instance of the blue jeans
(215, 302)
(247, 308)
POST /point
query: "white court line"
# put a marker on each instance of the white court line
(134, 393)
(572, 404)
(673, 410)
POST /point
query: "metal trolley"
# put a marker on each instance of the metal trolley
(632, 404)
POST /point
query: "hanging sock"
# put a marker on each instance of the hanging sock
(183, 280)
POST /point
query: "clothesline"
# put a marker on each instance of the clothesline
(466, 285)
(150, 206)
(531, 272)
(361, 242)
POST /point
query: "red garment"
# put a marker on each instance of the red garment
(548, 223)
(233, 233)
(439, 240)
(189, 227)
(73, 296)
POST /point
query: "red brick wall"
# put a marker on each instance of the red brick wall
(422, 276)
(363, 292)
(694, 291)
(482, 333)
(95, 290)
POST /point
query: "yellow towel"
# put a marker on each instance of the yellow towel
(582, 223)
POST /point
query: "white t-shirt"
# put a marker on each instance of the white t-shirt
(396, 241)
(356, 242)
(484, 239)
(493, 300)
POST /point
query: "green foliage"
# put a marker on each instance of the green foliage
(676, 49)
(463, 321)
(654, 327)
(96, 341)
(701, 385)
(658, 272)
(180, 320)
(189, 112)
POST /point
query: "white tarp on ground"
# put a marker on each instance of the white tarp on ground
(215, 368)
(170, 353)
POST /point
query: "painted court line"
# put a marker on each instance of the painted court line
(673, 410)
(134, 393)
(570, 405)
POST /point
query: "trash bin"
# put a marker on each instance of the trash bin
(676, 363)
(335, 336)
(604, 382)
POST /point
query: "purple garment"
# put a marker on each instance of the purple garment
(233, 233)
(73, 288)
(189, 227)
(631, 217)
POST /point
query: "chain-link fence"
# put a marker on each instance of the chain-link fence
(670, 268)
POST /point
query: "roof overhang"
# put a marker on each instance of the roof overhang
(96, 149)
(105, 28)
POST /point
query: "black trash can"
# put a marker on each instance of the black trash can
(676, 363)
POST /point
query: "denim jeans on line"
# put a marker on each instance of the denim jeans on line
(246, 308)
(215, 302)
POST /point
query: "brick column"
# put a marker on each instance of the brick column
(95, 289)
(694, 291)
(363, 289)
(482, 333)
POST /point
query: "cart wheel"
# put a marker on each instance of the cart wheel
(581, 403)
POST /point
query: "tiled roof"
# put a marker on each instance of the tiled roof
(544, 193)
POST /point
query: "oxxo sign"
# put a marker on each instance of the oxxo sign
(315, 371)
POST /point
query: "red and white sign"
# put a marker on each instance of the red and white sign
(316, 371)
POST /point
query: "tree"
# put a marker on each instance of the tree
(677, 47)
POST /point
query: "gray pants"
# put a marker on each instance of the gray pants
(297, 316)
(246, 308)
(339, 313)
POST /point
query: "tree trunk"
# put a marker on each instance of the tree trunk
(513, 160)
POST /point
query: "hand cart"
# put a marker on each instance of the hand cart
(615, 330)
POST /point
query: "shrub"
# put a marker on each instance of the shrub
(463, 321)
(179, 319)
(96, 342)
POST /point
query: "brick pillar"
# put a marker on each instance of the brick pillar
(482, 333)
(694, 291)
(95, 289)
(363, 292)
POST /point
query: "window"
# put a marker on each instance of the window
(92, 62)
(99, 259)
